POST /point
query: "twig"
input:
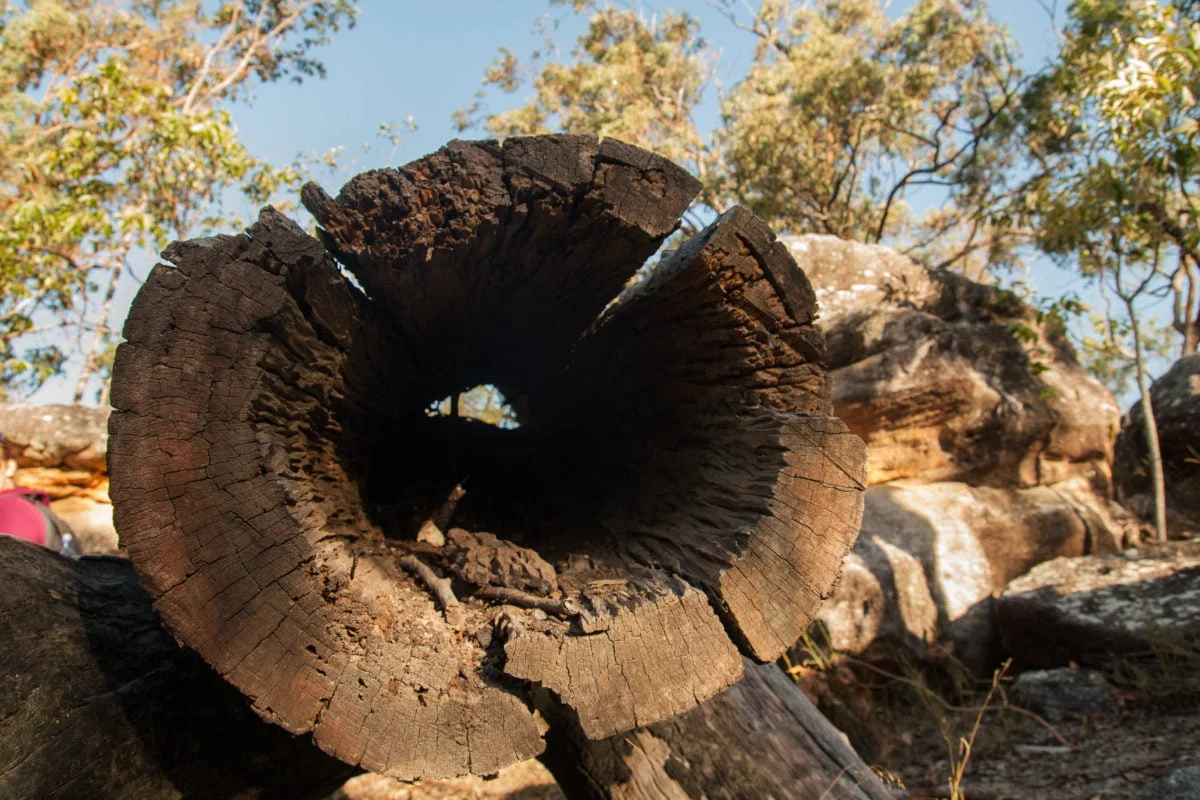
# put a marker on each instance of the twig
(1043, 749)
(445, 512)
(439, 586)
(965, 745)
(516, 597)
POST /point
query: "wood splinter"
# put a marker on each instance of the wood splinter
(439, 586)
(433, 529)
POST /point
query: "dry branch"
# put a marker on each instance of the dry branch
(439, 586)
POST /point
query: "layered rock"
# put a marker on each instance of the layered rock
(989, 448)
(1176, 398)
(931, 557)
(60, 450)
(951, 380)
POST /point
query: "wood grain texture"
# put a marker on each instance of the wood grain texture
(98, 701)
(761, 738)
(744, 484)
(676, 489)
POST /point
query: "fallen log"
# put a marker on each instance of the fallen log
(676, 491)
(98, 701)
(759, 738)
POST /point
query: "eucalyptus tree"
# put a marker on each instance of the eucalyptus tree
(847, 121)
(1112, 128)
(117, 136)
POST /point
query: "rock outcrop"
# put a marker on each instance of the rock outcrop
(951, 380)
(1091, 608)
(1176, 398)
(1062, 693)
(989, 448)
(931, 557)
(61, 450)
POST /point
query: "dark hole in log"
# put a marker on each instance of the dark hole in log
(576, 481)
(547, 490)
(395, 581)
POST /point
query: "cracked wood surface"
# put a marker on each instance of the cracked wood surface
(676, 491)
(98, 701)
(761, 738)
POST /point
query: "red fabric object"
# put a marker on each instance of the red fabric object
(19, 516)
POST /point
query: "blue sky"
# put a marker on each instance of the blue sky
(425, 59)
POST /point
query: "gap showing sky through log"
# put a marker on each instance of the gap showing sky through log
(399, 584)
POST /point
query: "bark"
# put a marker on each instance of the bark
(1191, 304)
(677, 490)
(1150, 429)
(760, 738)
(97, 700)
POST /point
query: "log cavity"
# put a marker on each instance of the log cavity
(403, 584)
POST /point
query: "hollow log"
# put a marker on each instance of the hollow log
(759, 738)
(98, 701)
(676, 491)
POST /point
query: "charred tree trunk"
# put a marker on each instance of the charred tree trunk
(676, 492)
(760, 738)
(97, 700)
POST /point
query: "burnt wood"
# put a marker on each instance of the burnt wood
(759, 738)
(677, 490)
(98, 701)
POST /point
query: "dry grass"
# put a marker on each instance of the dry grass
(889, 711)
(950, 736)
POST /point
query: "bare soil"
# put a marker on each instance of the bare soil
(1111, 756)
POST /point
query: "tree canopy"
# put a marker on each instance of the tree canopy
(1113, 127)
(117, 136)
(917, 130)
(842, 119)
(629, 77)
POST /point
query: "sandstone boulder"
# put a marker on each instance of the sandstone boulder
(882, 597)
(61, 450)
(1087, 609)
(989, 448)
(1176, 397)
(930, 558)
(57, 436)
(91, 520)
(947, 379)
